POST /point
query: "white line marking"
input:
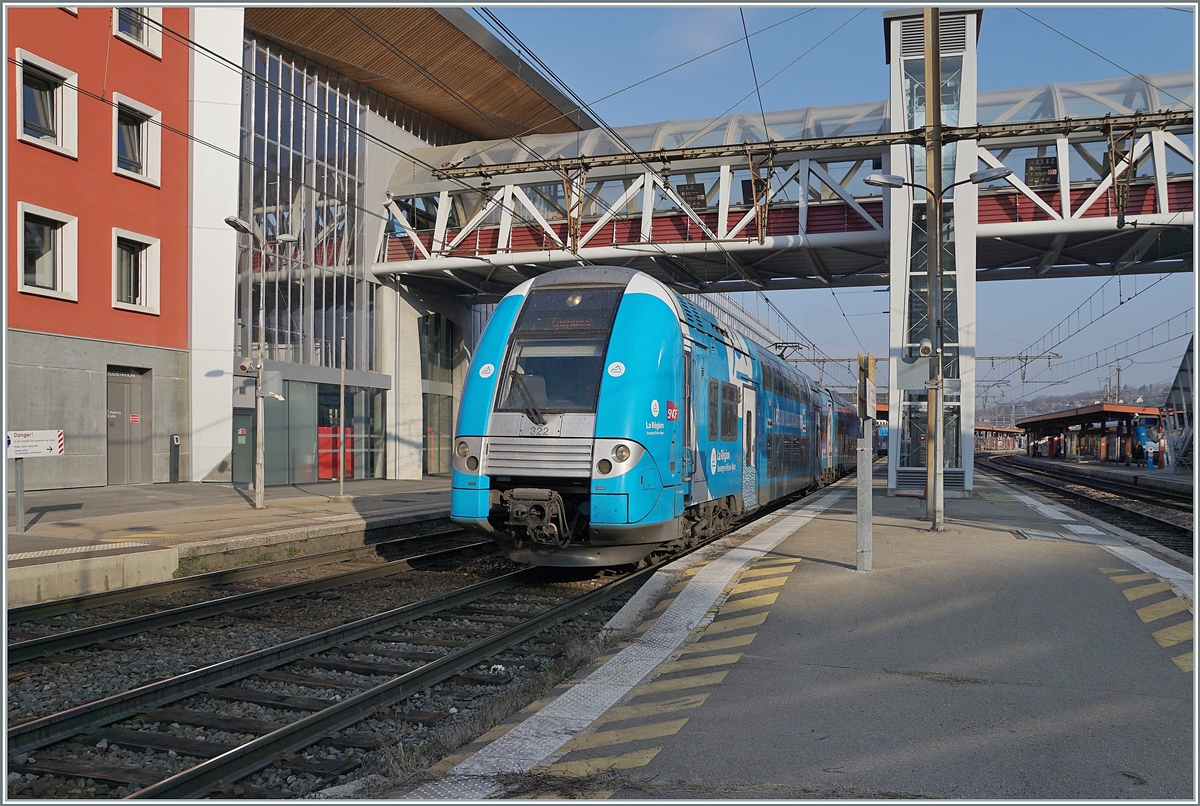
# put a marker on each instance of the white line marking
(1184, 582)
(33, 555)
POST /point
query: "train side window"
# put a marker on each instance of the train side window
(714, 410)
(730, 397)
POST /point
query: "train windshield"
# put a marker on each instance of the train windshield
(557, 352)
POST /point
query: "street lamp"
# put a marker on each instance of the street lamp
(936, 386)
(260, 434)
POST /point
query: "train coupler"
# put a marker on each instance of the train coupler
(541, 513)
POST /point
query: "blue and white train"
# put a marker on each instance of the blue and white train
(604, 416)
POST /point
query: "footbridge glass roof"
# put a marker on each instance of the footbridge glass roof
(1119, 96)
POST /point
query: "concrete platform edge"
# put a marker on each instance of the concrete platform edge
(32, 584)
(189, 549)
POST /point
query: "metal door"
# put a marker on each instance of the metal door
(749, 449)
(128, 428)
(243, 446)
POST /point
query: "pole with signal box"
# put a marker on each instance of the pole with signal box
(866, 413)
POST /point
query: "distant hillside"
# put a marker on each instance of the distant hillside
(1001, 413)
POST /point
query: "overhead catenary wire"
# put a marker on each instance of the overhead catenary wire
(1038, 348)
(754, 72)
(620, 140)
(1181, 323)
(1102, 56)
(311, 106)
(200, 141)
(703, 129)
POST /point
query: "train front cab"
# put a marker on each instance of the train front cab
(594, 484)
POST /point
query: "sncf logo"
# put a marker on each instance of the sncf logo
(672, 412)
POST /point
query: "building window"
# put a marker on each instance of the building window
(130, 264)
(130, 140)
(43, 252)
(49, 263)
(129, 22)
(137, 140)
(141, 27)
(39, 91)
(135, 272)
(46, 105)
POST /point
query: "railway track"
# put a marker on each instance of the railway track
(1167, 521)
(208, 729)
(106, 632)
(289, 717)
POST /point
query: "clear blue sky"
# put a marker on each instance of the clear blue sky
(599, 51)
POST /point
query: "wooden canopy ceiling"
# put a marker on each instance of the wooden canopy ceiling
(440, 61)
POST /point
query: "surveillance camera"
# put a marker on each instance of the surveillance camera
(926, 348)
(246, 365)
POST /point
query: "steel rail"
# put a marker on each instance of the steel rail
(86, 636)
(78, 604)
(58, 727)
(1032, 477)
(1137, 492)
(999, 131)
(258, 753)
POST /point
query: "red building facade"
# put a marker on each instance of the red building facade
(98, 175)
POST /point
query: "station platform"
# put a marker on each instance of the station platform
(85, 540)
(1133, 474)
(1027, 651)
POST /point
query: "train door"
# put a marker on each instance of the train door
(686, 469)
(749, 447)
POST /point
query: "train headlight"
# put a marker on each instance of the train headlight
(604, 466)
(462, 448)
(472, 464)
(621, 453)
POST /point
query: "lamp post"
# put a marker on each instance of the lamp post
(937, 385)
(260, 435)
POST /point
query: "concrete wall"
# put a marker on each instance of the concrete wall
(62, 382)
(215, 118)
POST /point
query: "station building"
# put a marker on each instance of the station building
(136, 133)
(370, 155)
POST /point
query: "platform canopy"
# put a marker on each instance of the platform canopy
(1098, 413)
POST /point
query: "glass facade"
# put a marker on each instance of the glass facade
(441, 345)
(303, 179)
(914, 406)
(303, 176)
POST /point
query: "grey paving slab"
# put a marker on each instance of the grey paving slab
(967, 664)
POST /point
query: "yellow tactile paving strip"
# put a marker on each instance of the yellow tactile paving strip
(1168, 636)
(625, 737)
